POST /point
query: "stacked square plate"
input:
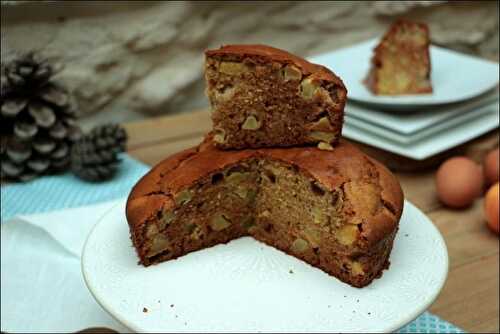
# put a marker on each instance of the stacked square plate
(464, 104)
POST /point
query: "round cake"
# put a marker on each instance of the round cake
(337, 210)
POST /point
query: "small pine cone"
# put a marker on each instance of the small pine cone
(95, 156)
(110, 135)
(92, 164)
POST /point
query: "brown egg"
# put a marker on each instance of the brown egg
(490, 167)
(491, 204)
(459, 181)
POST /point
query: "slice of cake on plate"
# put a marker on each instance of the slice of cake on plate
(401, 63)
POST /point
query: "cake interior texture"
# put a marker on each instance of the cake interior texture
(277, 204)
(257, 103)
(401, 64)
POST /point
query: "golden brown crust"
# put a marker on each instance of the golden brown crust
(393, 29)
(147, 196)
(332, 169)
(415, 52)
(269, 53)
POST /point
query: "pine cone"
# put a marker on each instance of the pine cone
(38, 120)
(114, 135)
(95, 156)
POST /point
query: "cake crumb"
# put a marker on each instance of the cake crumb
(369, 313)
(357, 300)
(290, 271)
(406, 234)
(145, 310)
(171, 305)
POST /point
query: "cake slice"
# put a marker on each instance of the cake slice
(401, 63)
(337, 210)
(262, 96)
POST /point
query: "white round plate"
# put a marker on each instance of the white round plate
(246, 286)
(455, 76)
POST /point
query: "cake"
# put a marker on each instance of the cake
(401, 62)
(337, 210)
(265, 97)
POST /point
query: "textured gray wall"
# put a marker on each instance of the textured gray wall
(126, 60)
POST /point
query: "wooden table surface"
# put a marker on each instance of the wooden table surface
(470, 297)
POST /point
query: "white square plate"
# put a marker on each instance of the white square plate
(412, 123)
(455, 76)
(452, 120)
(431, 145)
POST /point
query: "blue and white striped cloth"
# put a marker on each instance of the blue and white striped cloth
(66, 191)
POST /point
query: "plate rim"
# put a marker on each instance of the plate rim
(370, 115)
(84, 255)
(447, 266)
(413, 138)
(408, 150)
(409, 318)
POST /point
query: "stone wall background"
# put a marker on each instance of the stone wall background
(129, 60)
